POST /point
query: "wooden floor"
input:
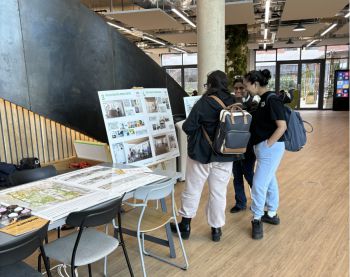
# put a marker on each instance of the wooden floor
(312, 239)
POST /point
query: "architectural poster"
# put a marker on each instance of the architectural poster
(139, 125)
(189, 103)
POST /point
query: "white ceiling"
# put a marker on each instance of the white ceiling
(305, 9)
(180, 37)
(239, 13)
(311, 29)
(148, 19)
(253, 46)
(343, 30)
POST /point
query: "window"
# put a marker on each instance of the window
(171, 59)
(263, 56)
(272, 67)
(337, 51)
(191, 79)
(311, 53)
(288, 54)
(190, 58)
(175, 73)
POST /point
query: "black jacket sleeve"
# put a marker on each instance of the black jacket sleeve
(193, 121)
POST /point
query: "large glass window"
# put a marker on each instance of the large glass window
(331, 66)
(190, 58)
(191, 79)
(272, 67)
(175, 73)
(171, 59)
(288, 54)
(263, 56)
(288, 76)
(337, 51)
(311, 53)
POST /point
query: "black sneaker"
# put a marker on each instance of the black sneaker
(275, 220)
(257, 229)
(185, 229)
(237, 209)
(216, 234)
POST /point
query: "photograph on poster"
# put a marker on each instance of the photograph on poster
(151, 104)
(137, 105)
(139, 149)
(172, 141)
(161, 144)
(114, 109)
(119, 153)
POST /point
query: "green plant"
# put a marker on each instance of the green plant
(236, 50)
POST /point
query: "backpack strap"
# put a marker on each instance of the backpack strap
(219, 101)
(208, 139)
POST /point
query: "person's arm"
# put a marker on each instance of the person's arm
(193, 122)
(278, 133)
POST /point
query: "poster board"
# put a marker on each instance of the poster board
(139, 125)
(96, 151)
(189, 102)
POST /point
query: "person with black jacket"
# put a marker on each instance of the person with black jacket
(203, 164)
(267, 129)
(244, 167)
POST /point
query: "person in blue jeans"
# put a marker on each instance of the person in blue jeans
(243, 167)
(267, 129)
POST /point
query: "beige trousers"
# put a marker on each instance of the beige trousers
(218, 175)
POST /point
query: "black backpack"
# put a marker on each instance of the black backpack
(232, 134)
(5, 171)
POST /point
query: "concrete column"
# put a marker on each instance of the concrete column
(210, 38)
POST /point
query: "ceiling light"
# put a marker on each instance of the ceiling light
(289, 41)
(179, 50)
(265, 34)
(328, 29)
(347, 15)
(184, 17)
(312, 42)
(119, 27)
(264, 46)
(154, 40)
(267, 11)
(299, 28)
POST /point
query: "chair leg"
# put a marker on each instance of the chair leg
(141, 255)
(185, 266)
(39, 262)
(89, 267)
(126, 256)
(58, 232)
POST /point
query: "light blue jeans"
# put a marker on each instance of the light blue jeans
(265, 186)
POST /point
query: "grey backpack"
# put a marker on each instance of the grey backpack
(295, 135)
(232, 134)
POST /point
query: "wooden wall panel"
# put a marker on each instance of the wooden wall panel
(26, 134)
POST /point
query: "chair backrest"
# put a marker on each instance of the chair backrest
(20, 248)
(31, 175)
(155, 191)
(97, 215)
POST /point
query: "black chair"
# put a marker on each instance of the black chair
(13, 252)
(31, 175)
(88, 245)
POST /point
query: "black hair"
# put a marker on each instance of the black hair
(217, 81)
(260, 76)
(238, 80)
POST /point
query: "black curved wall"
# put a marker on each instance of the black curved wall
(56, 54)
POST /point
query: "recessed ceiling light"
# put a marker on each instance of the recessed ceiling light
(300, 27)
(312, 42)
(347, 15)
(267, 11)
